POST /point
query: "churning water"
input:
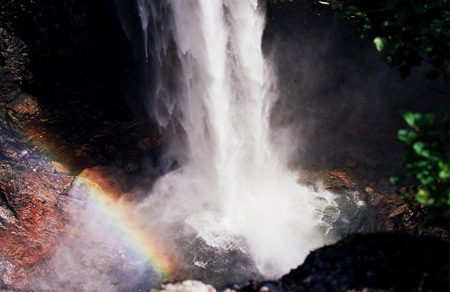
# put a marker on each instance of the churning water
(229, 190)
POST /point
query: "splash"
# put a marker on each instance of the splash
(227, 184)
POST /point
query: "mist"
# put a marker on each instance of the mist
(244, 100)
(337, 97)
(213, 85)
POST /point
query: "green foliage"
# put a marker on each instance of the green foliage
(407, 32)
(427, 160)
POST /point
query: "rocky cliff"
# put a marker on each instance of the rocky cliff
(67, 102)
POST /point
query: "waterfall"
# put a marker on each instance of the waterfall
(211, 89)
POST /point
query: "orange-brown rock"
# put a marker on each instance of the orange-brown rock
(25, 104)
(389, 210)
(375, 199)
(368, 190)
(145, 143)
(339, 180)
(59, 167)
(31, 214)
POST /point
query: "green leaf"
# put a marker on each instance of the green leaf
(422, 196)
(444, 175)
(363, 35)
(380, 43)
(408, 116)
(419, 147)
(389, 60)
(427, 46)
(394, 180)
(407, 136)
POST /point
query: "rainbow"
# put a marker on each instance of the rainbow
(140, 239)
(106, 200)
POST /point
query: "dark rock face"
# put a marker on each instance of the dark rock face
(13, 62)
(369, 262)
(76, 62)
(66, 92)
(57, 34)
(67, 51)
(381, 261)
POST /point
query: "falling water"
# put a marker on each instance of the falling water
(228, 189)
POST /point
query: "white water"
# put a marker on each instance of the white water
(213, 86)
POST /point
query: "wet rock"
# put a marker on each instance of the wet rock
(386, 211)
(8, 288)
(185, 286)
(59, 167)
(9, 85)
(396, 212)
(13, 62)
(368, 190)
(375, 199)
(145, 143)
(31, 216)
(363, 196)
(9, 152)
(399, 210)
(25, 105)
(312, 179)
(339, 180)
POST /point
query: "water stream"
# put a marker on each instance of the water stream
(229, 190)
(226, 207)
